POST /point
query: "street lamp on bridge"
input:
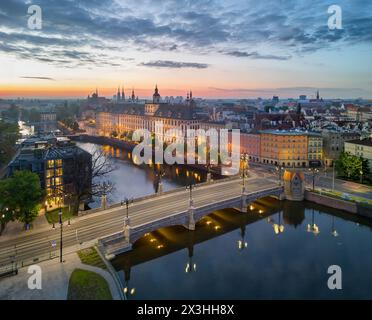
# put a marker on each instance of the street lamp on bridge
(127, 202)
(245, 166)
(279, 169)
(191, 186)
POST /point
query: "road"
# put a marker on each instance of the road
(322, 180)
(36, 244)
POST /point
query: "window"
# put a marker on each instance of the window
(49, 173)
(50, 164)
(58, 181)
(58, 163)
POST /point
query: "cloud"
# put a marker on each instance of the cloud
(200, 27)
(256, 55)
(174, 64)
(38, 78)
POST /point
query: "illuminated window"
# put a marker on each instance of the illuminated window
(59, 172)
(59, 163)
(50, 164)
(50, 173)
(58, 181)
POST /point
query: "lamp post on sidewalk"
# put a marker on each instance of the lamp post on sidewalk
(61, 236)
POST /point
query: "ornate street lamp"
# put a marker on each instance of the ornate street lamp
(279, 169)
(191, 187)
(244, 158)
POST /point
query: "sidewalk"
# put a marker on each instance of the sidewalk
(15, 228)
(55, 279)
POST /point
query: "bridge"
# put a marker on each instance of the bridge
(183, 209)
(116, 233)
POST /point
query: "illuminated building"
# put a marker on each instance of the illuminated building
(123, 118)
(63, 168)
(290, 148)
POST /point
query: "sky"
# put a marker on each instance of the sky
(217, 49)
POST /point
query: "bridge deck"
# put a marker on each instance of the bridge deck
(24, 248)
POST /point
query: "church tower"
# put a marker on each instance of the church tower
(122, 94)
(156, 96)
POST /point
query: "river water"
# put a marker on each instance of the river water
(284, 252)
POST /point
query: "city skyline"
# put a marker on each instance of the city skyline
(217, 50)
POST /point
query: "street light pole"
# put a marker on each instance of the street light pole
(333, 176)
(61, 237)
(190, 187)
(244, 159)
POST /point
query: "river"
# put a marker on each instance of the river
(284, 252)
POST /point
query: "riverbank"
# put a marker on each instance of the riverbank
(339, 204)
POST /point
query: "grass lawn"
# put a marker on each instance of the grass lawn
(339, 195)
(87, 285)
(90, 256)
(53, 217)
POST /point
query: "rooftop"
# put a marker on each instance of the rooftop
(364, 142)
(291, 132)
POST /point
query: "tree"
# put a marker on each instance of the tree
(22, 194)
(351, 166)
(87, 177)
(6, 214)
(9, 134)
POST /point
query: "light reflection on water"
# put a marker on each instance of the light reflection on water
(246, 258)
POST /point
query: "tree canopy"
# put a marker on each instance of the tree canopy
(20, 196)
(351, 166)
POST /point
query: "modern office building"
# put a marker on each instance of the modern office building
(63, 168)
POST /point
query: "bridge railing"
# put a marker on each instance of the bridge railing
(153, 196)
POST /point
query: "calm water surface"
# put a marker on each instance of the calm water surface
(244, 256)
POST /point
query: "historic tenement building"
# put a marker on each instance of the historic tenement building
(127, 116)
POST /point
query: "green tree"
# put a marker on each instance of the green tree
(22, 194)
(6, 213)
(351, 166)
(9, 134)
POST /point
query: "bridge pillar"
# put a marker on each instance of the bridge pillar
(127, 229)
(244, 205)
